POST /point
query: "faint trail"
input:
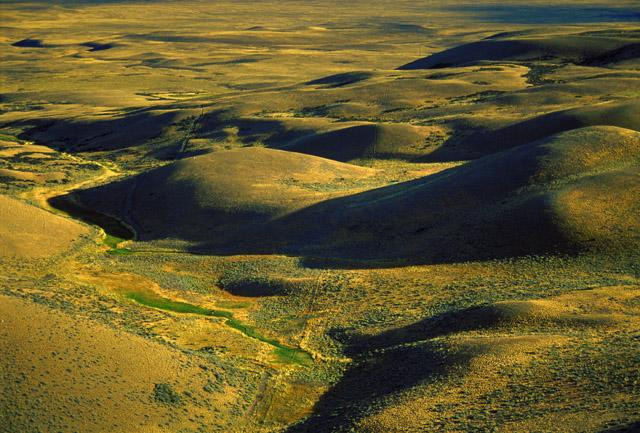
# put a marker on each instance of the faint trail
(128, 207)
(262, 388)
(41, 195)
(190, 132)
(306, 333)
(315, 354)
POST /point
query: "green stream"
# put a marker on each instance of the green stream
(116, 233)
(112, 242)
(284, 353)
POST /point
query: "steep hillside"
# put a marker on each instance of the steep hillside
(30, 232)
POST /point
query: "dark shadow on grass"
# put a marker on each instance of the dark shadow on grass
(467, 213)
(485, 142)
(381, 368)
(29, 43)
(111, 226)
(97, 46)
(548, 14)
(249, 130)
(254, 287)
(468, 319)
(78, 136)
(577, 49)
(369, 141)
(341, 80)
(633, 427)
(158, 130)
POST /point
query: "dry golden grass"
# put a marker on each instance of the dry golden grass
(38, 178)
(11, 148)
(68, 373)
(30, 232)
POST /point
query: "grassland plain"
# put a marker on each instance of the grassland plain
(319, 216)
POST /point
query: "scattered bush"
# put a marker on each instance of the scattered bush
(163, 393)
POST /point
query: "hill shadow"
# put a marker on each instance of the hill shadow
(29, 43)
(398, 359)
(466, 213)
(142, 126)
(384, 364)
(441, 325)
(79, 136)
(580, 49)
(341, 80)
(633, 427)
(547, 14)
(275, 134)
(97, 46)
(471, 212)
(503, 205)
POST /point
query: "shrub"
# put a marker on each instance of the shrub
(163, 393)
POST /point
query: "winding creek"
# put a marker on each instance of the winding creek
(285, 354)
(117, 232)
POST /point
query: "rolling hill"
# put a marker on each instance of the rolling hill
(216, 196)
(362, 142)
(531, 199)
(578, 49)
(304, 236)
(625, 114)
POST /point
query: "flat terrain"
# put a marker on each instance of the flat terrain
(319, 216)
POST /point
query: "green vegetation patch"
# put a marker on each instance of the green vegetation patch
(155, 301)
(112, 242)
(163, 393)
(285, 354)
(9, 138)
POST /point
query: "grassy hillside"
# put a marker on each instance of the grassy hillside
(218, 195)
(418, 375)
(620, 114)
(363, 142)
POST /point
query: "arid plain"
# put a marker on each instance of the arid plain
(295, 216)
